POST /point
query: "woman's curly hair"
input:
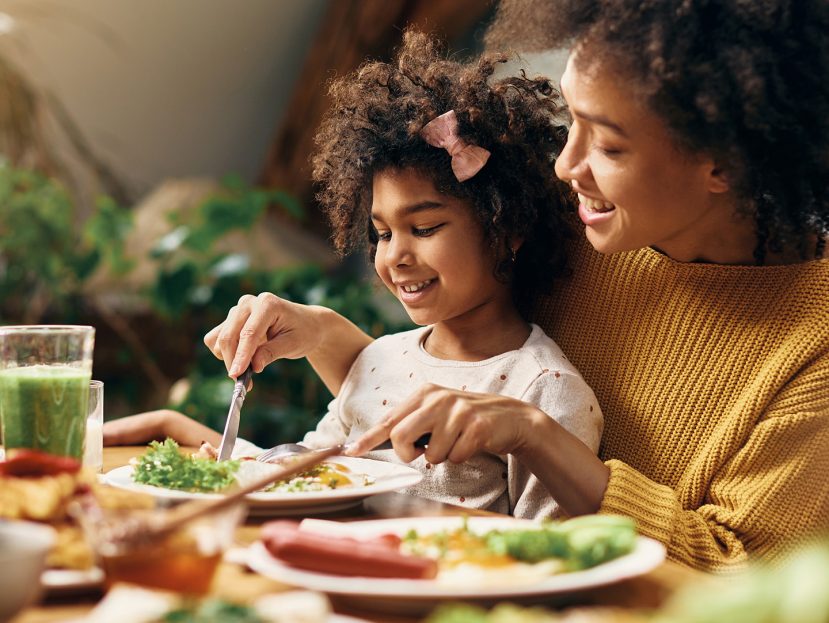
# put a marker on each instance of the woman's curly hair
(374, 125)
(744, 82)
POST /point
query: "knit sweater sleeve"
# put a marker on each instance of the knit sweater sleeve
(771, 491)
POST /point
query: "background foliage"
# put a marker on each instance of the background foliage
(47, 258)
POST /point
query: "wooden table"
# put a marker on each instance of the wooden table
(239, 584)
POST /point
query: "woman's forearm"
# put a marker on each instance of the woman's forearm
(570, 471)
(340, 343)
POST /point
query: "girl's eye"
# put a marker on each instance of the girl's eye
(423, 232)
(385, 236)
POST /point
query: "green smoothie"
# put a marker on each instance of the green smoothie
(44, 407)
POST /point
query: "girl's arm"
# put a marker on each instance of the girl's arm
(264, 328)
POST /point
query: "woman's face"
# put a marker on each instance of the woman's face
(635, 188)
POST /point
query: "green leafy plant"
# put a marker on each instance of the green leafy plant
(48, 254)
(44, 256)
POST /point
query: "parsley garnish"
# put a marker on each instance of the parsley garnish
(163, 465)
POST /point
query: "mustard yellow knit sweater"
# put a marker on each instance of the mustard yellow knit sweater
(714, 383)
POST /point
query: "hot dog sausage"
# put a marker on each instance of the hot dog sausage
(375, 558)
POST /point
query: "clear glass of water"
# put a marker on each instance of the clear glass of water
(93, 452)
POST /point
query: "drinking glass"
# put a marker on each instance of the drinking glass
(93, 450)
(44, 387)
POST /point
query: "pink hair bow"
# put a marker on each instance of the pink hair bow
(467, 159)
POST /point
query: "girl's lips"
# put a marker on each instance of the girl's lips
(410, 298)
(591, 218)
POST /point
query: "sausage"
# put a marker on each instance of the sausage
(374, 558)
(34, 463)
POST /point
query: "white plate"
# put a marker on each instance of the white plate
(62, 581)
(420, 594)
(387, 477)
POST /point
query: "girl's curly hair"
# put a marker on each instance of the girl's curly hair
(374, 125)
(744, 82)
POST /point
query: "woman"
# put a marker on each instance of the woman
(699, 310)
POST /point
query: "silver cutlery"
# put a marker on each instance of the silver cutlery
(288, 449)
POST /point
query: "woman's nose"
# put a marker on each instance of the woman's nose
(571, 163)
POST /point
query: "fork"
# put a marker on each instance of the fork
(288, 449)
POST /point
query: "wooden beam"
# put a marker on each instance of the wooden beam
(351, 32)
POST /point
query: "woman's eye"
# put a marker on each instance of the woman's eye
(423, 232)
(607, 151)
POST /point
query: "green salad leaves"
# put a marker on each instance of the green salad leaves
(163, 465)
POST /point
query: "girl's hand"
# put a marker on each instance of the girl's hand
(463, 424)
(261, 329)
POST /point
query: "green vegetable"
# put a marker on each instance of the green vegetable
(529, 545)
(582, 542)
(163, 465)
(213, 611)
(594, 539)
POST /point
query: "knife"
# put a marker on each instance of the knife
(232, 424)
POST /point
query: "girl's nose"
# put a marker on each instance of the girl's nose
(398, 252)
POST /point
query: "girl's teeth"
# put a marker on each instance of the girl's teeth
(594, 205)
(416, 286)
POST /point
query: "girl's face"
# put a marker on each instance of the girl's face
(431, 252)
(635, 188)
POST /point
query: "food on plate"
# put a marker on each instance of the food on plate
(378, 557)
(164, 465)
(37, 486)
(460, 555)
(570, 545)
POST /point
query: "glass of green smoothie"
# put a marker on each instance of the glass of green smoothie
(44, 387)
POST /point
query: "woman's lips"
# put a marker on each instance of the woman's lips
(594, 211)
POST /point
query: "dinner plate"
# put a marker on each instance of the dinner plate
(420, 595)
(71, 581)
(387, 477)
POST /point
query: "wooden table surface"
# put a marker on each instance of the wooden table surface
(237, 583)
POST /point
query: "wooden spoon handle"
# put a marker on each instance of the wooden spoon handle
(193, 510)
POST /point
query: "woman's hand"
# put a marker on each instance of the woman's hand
(463, 424)
(261, 329)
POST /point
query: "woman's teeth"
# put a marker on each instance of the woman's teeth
(414, 287)
(594, 205)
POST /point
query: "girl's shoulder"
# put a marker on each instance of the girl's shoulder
(393, 344)
(546, 354)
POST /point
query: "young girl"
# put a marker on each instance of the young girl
(447, 175)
